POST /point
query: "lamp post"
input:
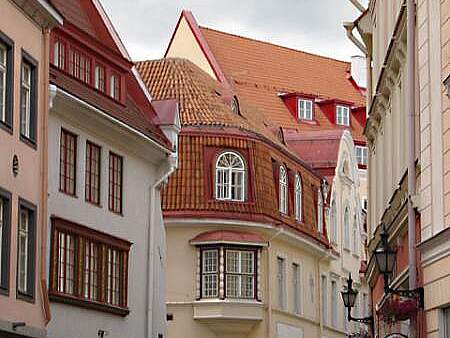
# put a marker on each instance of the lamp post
(385, 258)
(349, 297)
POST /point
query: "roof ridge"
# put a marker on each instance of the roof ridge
(273, 44)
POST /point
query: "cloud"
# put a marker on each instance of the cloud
(311, 25)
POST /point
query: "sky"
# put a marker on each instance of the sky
(315, 26)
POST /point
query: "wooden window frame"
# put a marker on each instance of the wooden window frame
(342, 119)
(363, 150)
(59, 53)
(100, 88)
(283, 190)
(29, 294)
(112, 184)
(63, 161)
(5, 240)
(229, 172)
(298, 198)
(114, 90)
(8, 121)
(222, 273)
(104, 242)
(305, 101)
(29, 137)
(254, 274)
(88, 173)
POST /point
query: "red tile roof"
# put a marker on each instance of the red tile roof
(260, 71)
(226, 236)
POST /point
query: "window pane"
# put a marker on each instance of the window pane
(233, 261)
(247, 262)
(209, 286)
(233, 285)
(23, 250)
(247, 286)
(68, 148)
(230, 177)
(209, 261)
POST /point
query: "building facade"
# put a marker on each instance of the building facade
(319, 127)
(110, 150)
(24, 48)
(383, 27)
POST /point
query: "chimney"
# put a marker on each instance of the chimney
(358, 70)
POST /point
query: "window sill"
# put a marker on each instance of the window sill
(306, 121)
(116, 213)
(89, 304)
(31, 143)
(67, 193)
(98, 205)
(4, 291)
(25, 297)
(6, 127)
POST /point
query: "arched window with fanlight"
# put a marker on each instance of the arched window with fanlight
(319, 210)
(283, 190)
(298, 198)
(230, 177)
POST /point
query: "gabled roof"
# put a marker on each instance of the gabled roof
(260, 71)
(89, 17)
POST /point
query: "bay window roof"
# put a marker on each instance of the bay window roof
(228, 237)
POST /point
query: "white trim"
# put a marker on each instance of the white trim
(263, 244)
(169, 221)
(110, 27)
(54, 89)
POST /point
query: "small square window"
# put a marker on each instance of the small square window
(342, 115)
(305, 109)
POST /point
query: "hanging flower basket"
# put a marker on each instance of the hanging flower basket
(398, 308)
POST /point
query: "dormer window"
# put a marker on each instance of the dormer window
(305, 109)
(99, 78)
(342, 115)
(114, 86)
(59, 50)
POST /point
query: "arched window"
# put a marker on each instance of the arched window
(319, 211)
(283, 190)
(355, 237)
(230, 177)
(298, 198)
(333, 222)
(347, 228)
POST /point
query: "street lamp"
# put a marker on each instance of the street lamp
(349, 297)
(385, 258)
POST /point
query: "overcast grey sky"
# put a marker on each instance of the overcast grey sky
(145, 26)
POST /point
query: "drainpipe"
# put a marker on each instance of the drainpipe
(44, 176)
(269, 284)
(410, 108)
(154, 190)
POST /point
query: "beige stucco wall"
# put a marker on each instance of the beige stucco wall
(184, 44)
(181, 286)
(28, 184)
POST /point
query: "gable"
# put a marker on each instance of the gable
(185, 44)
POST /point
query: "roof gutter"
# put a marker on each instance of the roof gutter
(53, 89)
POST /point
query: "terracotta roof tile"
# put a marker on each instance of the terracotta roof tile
(260, 71)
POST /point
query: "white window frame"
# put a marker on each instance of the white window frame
(3, 81)
(215, 292)
(25, 101)
(240, 274)
(298, 198)
(112, 83)
(224, 178)
(305, 112)
(23, 242)
(99, 70)
(281, 281)
(342, 115)
(283, 187)
(361, 155)
(319, 211)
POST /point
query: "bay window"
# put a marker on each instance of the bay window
(88, 267)
(238, 269)
(230, 177)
